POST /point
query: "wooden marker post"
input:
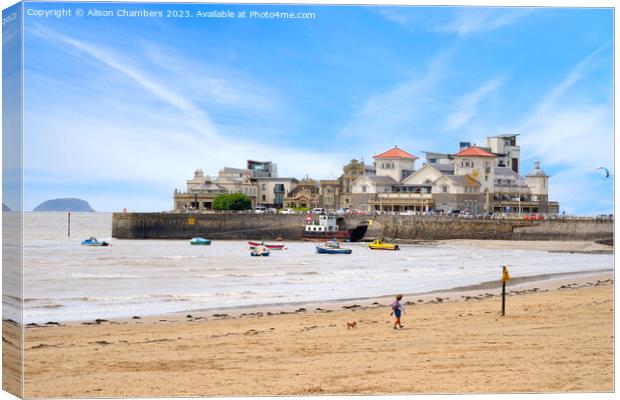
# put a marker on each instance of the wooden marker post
(505, 278)
(69, 224)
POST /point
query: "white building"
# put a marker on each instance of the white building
(479, 165)
(506, 149)
(395, 163)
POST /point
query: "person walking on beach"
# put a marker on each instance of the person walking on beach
(397, 310)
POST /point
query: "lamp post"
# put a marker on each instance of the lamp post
(519, 189)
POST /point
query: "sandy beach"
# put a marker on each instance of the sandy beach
(569, 246)
(557, 336)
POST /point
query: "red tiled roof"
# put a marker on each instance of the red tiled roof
(474, 151)
(396, 153)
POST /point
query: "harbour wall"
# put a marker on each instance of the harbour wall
(289, 227)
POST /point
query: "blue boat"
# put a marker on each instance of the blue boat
(332, 247)
(92, 241)
(260, 251)
(199, 241)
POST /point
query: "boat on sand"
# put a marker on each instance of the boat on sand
(92, 241)
(260, 251)
(199, 241)
(379, 244)
(269, 246)
(332, 247)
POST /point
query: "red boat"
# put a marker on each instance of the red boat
(269, 246)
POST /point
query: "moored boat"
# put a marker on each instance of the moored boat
(200, 241)
(378, 244)
(260, 251)
(92, 241)
(332, 247)
(326, 228)
(269, 246)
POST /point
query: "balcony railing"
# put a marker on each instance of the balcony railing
(405, 195)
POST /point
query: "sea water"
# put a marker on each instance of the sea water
(64, 281)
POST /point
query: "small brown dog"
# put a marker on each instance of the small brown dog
(351, 325)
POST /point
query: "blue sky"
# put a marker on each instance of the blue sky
(120, 111)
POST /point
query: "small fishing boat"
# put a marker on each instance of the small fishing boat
(260, 251)
(269, 246)
(332, 247)
(199, 241)
(92, 241)
(380, 245)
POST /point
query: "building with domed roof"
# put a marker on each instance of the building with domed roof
(304, 195)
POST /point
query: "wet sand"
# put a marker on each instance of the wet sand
(568, 246)
(557, 336)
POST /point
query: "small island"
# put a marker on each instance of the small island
(67, 204)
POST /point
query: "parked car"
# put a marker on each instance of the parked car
(466, 214)
(272, 210)
(454, 213)
(533, 217)
(287, 211)
(407, 212)
(353, 211)
(318, 211)
(260, 210)
(342, 211)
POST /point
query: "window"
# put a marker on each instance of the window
(264, 186)
(444, 189)
(264, 198)
(428, 182)
(364, 188)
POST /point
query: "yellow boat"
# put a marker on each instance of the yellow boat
(379, 245)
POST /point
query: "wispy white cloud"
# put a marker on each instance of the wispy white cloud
(393, 114)
(397, 15)
(572, 132)
(582, 125)
(579, 189)
(213, 85)
(473, 20)
(155, 138)
(466, 106)
(576, 74)
(200, 118)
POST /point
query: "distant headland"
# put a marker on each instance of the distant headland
(67, 204)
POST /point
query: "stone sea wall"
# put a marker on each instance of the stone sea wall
(289, 227)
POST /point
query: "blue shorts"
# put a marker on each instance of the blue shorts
(397, 313)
